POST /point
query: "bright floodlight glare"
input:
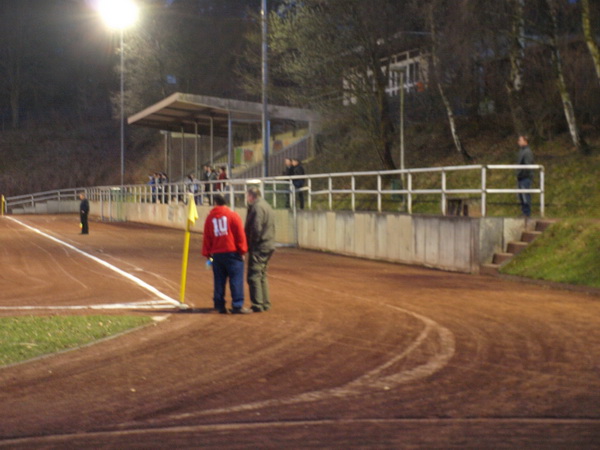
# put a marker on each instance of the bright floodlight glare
(118, 14)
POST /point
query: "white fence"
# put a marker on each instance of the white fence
(381, 185)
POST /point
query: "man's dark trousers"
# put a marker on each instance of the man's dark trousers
(525, 199)
(231, 265)
(83, 217)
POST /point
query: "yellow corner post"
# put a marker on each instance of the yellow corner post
(192, 216)
(2, 203)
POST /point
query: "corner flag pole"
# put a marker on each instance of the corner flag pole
(192, 216)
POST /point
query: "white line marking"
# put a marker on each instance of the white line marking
(130, 277)
(372, 380)
(153, 304)
(80, 438)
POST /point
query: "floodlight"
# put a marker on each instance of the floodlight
(118, 14)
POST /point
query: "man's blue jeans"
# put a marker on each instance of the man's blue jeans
(228, 265)
(525, 199)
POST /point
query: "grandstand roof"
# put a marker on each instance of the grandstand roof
(187, 111)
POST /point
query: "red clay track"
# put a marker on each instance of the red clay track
(355, 353)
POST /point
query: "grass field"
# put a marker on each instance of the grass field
(23, 338)
(568, 252)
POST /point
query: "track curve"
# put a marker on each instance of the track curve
(355, 353)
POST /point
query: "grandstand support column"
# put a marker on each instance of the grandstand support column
(196, 149)
(265, 80)
(166, 144)
(229, 143)
(182, 152)
(212, 140)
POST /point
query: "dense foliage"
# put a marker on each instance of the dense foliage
(525, 65)
(510, 67)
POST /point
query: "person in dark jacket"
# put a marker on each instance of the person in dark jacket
(84, 210)
(288, 170)
(524, 176)
(260, 234)
(298, 182)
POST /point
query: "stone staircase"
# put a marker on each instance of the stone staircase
(515, 247)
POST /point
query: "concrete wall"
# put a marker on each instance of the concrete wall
(450, 243)
(50, 207)
(174, 215)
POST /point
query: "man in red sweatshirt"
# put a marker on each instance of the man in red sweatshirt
(225, 242)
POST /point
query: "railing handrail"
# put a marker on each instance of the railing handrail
(165, 192)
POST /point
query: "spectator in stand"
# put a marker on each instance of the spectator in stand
(152, 183)
(222, 176)
(225, 242)
(298, 182)
(164, 187)
(288, 170)
(212, 177)
(208, 175)
(191, 185)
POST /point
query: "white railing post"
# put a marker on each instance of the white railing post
(409, 195)
(353, 187)
(379, 208)
(483, 191)
(444, 202)
(330, 183)
(309, 193)
(542, 189)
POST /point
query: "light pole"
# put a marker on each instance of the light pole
(265, 81)
(118, 15)
(401, 72)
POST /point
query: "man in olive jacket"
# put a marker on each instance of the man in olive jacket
(260, 234)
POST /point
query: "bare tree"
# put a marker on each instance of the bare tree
(334, 56)
(439, 74)
(517, 56)
(557, 65)
(589, 35)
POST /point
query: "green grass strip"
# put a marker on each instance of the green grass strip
(27, 337)
(567, 252)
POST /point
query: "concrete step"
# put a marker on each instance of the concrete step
(530, 236)
(500, 258)
(516, 247)
(489, 269)
(543, 224)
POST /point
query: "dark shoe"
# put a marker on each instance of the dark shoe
(222, 310)
(257, 309)
(241, 311)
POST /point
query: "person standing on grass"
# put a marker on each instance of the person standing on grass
(225, 242)
(84, 210)
(260, 233)
(524, 176)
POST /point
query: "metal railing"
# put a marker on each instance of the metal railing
(398, 184)
(42, 197)
(408, 190)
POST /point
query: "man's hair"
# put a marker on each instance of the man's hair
(254, 191)
(525, 137)
(219, 199)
